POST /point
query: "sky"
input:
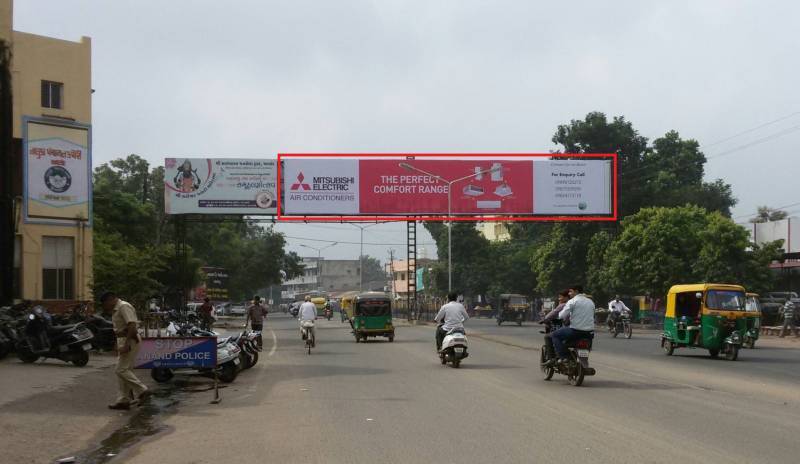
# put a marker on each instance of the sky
(255, 78)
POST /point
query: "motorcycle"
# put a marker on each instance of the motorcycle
(228, 355)
(248, 344)
(454, 347)
(621, 324)
(328, 313)
(577, 365)
(42, 339)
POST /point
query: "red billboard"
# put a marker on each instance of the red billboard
(485, 187)
(421, 186)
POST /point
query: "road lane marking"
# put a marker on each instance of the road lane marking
(274, 342)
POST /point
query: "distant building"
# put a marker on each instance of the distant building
(787, 230)
(50, 164)
(328, 275)
(398, 275)
(494, 231)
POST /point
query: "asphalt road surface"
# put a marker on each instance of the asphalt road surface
(394, 403)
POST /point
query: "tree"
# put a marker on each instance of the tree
(661, 247)
(471, 258)
(510, 268)
(372, 270)
(595, 134)
(560, 261)
(767, 214)
(132, 233)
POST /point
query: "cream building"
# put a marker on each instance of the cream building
(52, 111)
(494, 231)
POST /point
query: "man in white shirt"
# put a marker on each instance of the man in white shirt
(308, 312)
(452, 316)
(580, 310)
(615, 310)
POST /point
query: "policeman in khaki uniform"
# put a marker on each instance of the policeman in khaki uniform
(131, 389)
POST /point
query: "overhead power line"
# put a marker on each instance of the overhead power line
(352, 243)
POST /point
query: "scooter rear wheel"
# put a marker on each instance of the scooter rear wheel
(228, 372)
(161, 374)
(25, 354)
(80, 358)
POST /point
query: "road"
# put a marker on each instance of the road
(394, 402)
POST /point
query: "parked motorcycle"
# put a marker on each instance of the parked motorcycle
(577, 365)
(622, 325)
(42, 339)
(454, 348)
(248, 344)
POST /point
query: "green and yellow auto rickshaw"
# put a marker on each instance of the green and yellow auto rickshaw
(708, 316)
(346, 305)
(511, 308)
(753, 309)
(372, 316)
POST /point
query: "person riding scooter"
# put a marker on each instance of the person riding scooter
(616, 308)
(451, 316)
(307, 315)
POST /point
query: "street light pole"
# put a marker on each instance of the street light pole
(449, 183)
(319, 261)
(361, 256)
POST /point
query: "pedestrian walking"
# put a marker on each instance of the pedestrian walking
(206, 314)
(255, 315)
(131, 389)
(788, 318)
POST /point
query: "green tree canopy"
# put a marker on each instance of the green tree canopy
(133, 238)
(660, 247)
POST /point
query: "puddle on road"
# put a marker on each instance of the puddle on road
(144, 421)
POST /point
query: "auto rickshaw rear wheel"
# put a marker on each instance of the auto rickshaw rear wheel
(732, 353)
(669, 347)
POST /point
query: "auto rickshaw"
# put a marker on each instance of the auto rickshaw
(346, 303)
(753, 310)
(709, 316)
(320, 302)
(372, 316)
(511, 307)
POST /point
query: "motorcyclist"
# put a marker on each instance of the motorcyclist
(563, 297)
(580, 310)
(451, 316)
(616, 308)
(308, 313)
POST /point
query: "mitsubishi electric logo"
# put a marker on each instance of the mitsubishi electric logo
(300, 184)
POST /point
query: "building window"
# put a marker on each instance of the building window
(57, 268)
(17, 282)
(52, 94)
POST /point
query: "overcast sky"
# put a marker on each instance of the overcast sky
(254, 78)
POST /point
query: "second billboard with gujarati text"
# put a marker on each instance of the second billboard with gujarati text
(424, 187)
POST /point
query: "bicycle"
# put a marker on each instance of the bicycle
(308, 335)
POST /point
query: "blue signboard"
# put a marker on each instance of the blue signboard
(177, 352)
